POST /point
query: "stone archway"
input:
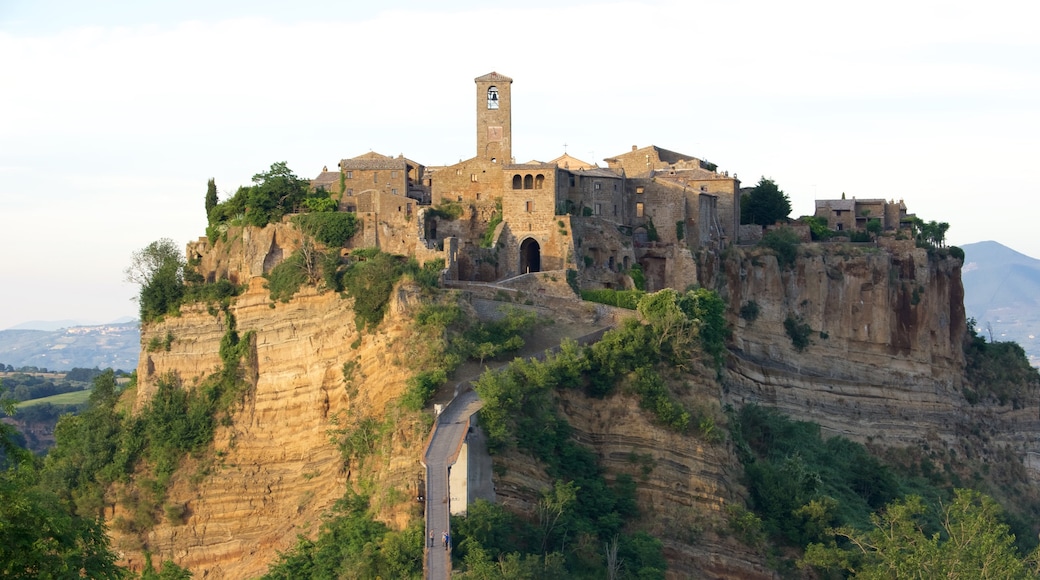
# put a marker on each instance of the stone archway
(530, 256)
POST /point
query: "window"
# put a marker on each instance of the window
(393, 174)
(615, 186)
(478, 196)
(518, 182)
(375, 177)
(572, 180)
(639, 190)
(394, 191)
(539, 180)
(599, 208)
(528, 182)
(639, 209)
(350, 191)
(615, 209)
(596, 186)
(529, 206)
(350, 175)
(473, 177)
(458, 172)
(492, 98)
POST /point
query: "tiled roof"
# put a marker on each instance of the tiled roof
(493, 77)
(325, 178)
(373, 160)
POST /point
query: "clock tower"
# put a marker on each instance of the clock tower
(494, 118)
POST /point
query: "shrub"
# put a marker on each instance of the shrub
(784, 243)
(749, 311)
(620, 298)
(285, 279)
(798, 331)
(333, 229)
(638, 278)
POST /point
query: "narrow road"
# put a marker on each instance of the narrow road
(449, 432)
(448, 436)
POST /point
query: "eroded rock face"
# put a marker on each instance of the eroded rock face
(275, 468)
(885, 363)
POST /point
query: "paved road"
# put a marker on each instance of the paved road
(448, 436)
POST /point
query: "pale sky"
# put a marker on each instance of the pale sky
(113, 115)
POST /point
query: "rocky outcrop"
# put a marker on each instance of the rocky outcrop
(275, 469)
(884, 363)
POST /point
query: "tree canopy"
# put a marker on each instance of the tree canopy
(159, 269)
(765, 205)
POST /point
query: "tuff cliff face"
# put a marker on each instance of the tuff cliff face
(883, 364)
(275, 468)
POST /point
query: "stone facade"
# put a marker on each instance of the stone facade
(854, 214)
(649, 206)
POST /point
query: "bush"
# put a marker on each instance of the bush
(285, 279)
(784, 243)
(332, 229)
(749, 311)
(620, 298)
(798, 331)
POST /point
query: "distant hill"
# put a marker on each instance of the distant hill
(1002, 293)
(102, 346)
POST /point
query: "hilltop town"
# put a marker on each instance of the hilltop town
(491, 218)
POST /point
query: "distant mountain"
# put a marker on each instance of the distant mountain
(1002, 293)
(59, 324)
(114, 345)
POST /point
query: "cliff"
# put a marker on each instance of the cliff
(274, 468)
(883, 365)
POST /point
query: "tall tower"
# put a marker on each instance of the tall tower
(494, 118)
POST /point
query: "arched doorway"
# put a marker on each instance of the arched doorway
(530, 256)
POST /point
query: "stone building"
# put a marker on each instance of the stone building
(854, 214)
(501, 218)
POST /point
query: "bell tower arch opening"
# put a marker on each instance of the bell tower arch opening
(530, 256)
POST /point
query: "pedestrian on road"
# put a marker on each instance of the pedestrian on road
(444, 539)
(447, 541)
(431, 538)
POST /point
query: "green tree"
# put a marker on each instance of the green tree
(159, 269)
(276, 192)
(211, 196)
(765, 205)
(973, 543)
(40, 535)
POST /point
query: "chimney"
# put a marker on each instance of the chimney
(634, 148)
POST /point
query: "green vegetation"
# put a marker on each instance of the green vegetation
(620, 298)
(285, 279)
(487, 240)
(333, 229)
(582, 512)
(784, 243)
(158, 269)
(275, 193)
(970, 541)
(104, 445)
(370, 276)
(765, 205)
(41, 536)
(211, 197)
(749, 311)
(352, 544)
(798, 331)
(72, 400)
(638, 278)
(999, 370)
(853, 514)
(447, 210)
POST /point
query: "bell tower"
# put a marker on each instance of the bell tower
(494, 118)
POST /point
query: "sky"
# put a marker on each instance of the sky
(113, 115)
